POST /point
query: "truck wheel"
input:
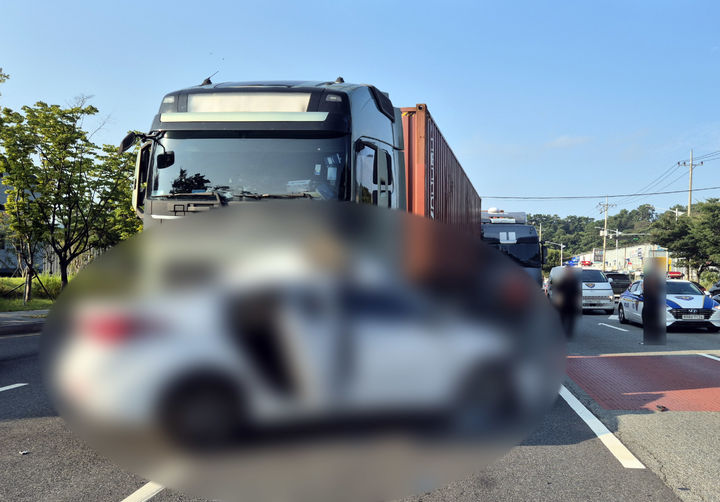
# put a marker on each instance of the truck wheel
(621, 315)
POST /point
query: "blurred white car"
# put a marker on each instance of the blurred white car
(198, 366)
(597, 292)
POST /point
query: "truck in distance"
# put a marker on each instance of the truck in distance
(510, 233)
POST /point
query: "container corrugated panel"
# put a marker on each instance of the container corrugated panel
(437, 186)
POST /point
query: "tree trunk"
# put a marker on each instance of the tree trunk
(28, 276)
(63, 273)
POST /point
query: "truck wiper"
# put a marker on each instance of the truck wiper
(258, 195)
(294, 195)
(186, 194)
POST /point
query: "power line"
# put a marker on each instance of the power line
(664, 175)
(575, 197)
(708, 157)
(715, 155)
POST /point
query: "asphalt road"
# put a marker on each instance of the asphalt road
(681, 447)
(562, 460)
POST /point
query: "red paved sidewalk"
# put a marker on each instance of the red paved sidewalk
(677, 382)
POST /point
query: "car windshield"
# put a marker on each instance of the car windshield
(681, 288)
(241, 166)
(593, 276)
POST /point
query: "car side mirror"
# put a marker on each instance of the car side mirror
(610, 280)
(165, 160)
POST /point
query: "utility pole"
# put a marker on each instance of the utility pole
(617, 261)
(691, 166)
(605, 207)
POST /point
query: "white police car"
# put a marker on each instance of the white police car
(685, 306)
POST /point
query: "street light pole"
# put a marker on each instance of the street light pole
(561, 246)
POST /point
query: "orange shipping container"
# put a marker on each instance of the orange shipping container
(437, 187)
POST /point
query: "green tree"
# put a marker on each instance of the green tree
(77, 190)
(695, 239)
(3, 77)
(706, 231)
(22, 220)
(120, 221)
(553, 260)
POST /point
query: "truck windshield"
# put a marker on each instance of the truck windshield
(520, 242)
(236, 167)
(526, 254)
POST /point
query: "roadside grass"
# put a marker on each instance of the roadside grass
(12, 288)
(16, 304)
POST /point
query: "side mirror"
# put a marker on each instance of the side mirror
(127, 142)
(165, 160)
(610, 280)
(544, 253)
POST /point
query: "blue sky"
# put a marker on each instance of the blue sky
(536, 98)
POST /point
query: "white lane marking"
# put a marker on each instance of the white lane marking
(614, 317)
(145, 492)
(613, 327)
(13, 386)
(711, 357)
(619, 450)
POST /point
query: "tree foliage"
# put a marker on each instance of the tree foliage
(3, 77)
(64, 192)
(694, 239)
(582, 233)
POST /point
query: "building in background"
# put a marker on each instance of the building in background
(630, 259)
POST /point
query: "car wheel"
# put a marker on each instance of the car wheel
(621, 315)
(485, 402)
(202, 414)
